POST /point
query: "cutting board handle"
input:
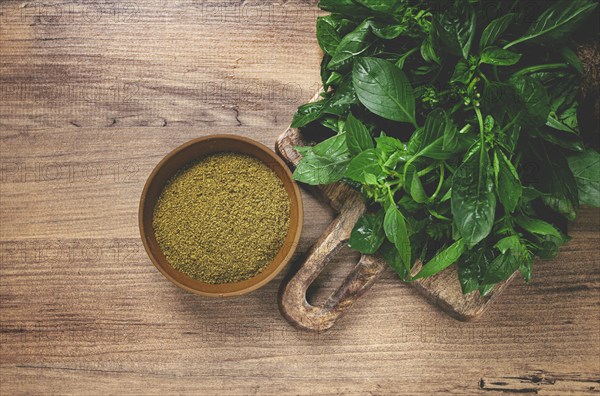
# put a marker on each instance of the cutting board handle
(292, 294)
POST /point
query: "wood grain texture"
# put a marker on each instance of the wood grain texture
(541, 383)
(92, 95)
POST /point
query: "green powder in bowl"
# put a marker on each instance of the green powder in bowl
(222, 219)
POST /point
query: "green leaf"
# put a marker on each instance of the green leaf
(533, 106)
(327, 35)
(394, 225)
(456, 31)
(384, 89)
(363, 164)
(392, 257)
(342, 99)
(303, 150)
(437, 139)
(501, 268)
(387, 31)
(494, 29)
(571, 58)
(525, 268)
(473, 200)
(383, 7)
(560, 135)
(555, 179)
(514, 255)
(499, 57)
(471, 266)
(308, 113)
(388, 145)
(557, 22)
(315, 170)
(326, 163)
(537, 226)
(353, 44)
(368, 234)
(428, 49)
(414, 185)
(510, 242)
(508, 184)
(358, 137)
(463, 72)
(334, 147)
(586, 170)
(435, 123)
(345, 7)
(442, 260)
(436, 148)
(555, 123)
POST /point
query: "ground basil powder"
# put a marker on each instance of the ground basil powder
(222, 219)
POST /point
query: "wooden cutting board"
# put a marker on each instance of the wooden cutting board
(443, 289)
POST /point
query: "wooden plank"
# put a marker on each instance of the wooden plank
(541, 383)
(82, 309)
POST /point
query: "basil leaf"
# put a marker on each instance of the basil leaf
(501, 268)
(308, 113)
(353, 44)
(536, 226)
(563, 137)
(327, 35)
(442, 260)
(387, 31)
(510, 242)
(571, 58)
(303, 150)
(358, 137)
(586, 170)
(392, 257)
(383, 7)
(437, 139)
(463, 72)
(414, 185)
(325, 163)
(534, 105)
(384, 89)
(494, 29)
(387, 145)
(467, 276)
(348, 8)
(428, 49)
(508, 184)
(558, 21)
(472, 265)
(342, 99)
(368, 234)
(394, 225)
(555, 179)
(435, 123)
(315, 170)
(473, 200)
(362, 165)
(499, 57)
(334, 147)
(456, 31)
(436, 148)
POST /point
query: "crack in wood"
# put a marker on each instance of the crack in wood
(540, 382)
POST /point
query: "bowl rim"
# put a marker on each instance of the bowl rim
(296, 196)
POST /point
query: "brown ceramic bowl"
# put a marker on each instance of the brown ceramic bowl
(195, 150)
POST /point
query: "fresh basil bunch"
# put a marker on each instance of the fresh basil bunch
(458, 122)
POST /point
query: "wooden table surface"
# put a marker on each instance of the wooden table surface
(93, 95)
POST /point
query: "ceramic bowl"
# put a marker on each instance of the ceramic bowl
(195, 150)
